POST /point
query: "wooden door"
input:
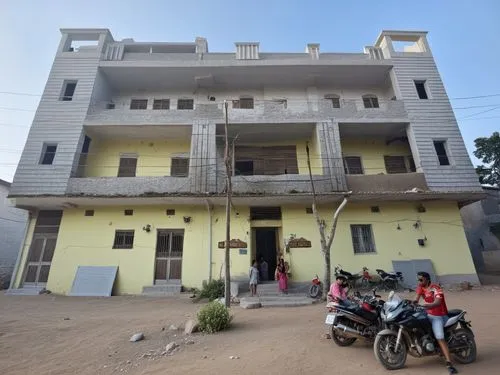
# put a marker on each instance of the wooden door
(40, 259)
(169, 248)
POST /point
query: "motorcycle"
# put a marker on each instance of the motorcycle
(410, 332)
(390, 280)
(354, 320)
(351, 278)
(315, 289)
(368, 280)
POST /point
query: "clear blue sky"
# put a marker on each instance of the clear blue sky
(464, 37)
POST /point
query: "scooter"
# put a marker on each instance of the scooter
(316, 288)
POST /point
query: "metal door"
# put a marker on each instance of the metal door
(40, 259)
(169, 248)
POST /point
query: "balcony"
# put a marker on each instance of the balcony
(384, 183)
(127, 186)
(263, 111)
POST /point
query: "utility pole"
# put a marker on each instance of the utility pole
(229, 190)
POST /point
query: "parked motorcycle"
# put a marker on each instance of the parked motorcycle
(390, 280)
(368, 280)
(351, 278)
(410, 332)
(316, 288)
(354, 320)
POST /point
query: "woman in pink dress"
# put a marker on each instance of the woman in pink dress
(282, 277)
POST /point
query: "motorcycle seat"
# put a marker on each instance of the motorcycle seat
(454, 312)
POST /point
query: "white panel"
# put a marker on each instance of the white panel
(93, 281)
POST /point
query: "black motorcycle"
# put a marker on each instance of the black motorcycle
(390, 280)
(351, 278)
(355, 319)
(410, 332)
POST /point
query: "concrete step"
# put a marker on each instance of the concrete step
(165, 290)
(271, 289)
(275, 301)
(25, 291)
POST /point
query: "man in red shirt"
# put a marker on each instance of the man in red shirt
(437, 312)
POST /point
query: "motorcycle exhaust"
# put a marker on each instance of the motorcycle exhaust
(347, 331)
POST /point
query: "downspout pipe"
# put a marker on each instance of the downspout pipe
(209, 209)
(20, 252)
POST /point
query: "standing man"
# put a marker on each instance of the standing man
(264, 269)
(437, 312)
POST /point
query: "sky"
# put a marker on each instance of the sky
(463, 35)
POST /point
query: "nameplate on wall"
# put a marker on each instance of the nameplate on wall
(299, 243)
(233, 244)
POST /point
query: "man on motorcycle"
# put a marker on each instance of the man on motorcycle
(437, 312)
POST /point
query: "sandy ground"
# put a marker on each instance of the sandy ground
(63, 335)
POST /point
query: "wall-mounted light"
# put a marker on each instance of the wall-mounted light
(147, 228)
(187, 219)
(421, 241)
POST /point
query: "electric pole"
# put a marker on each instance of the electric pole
(228, 163)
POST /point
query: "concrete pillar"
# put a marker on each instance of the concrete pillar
(203, 158)
(328, 137)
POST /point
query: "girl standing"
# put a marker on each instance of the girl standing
(282, 277)
(254, 278)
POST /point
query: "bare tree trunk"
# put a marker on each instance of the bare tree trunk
(227, 260)
(326, 242)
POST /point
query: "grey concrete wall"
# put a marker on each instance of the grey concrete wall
(386, 182)
(430, 120)
(60, 122)
(12, 225)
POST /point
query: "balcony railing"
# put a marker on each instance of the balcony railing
(271, 111)
(379, 183)
(127, 186)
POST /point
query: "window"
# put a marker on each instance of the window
(399, 164)
(362, 239)
(352, 165)
(128, 166)
(68, 90)
(421, 91)
(243, 103)
(48, 153)
(243, 168)
(139, 104)
(185, 104)
(128, 212)
(440, 147)
(161, 104)
(334, 99)
(265, 213)
(170, 212)
(124, 239)
(370, 101)
(89, 212)
(179, 167)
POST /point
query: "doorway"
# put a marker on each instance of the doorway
(266, 244)
(169, 249)
(40, 259)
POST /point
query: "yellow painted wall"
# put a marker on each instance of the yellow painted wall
(446, 242)
(316, 163)
(372, 152)
(154, 156)
(88, 241)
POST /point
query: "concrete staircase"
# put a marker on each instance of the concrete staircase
(26, 290)
(268, 295)
(162, 290)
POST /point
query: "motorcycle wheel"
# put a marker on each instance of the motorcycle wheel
(341, 340)
(384, 349)
(315, 291)
(468, 355)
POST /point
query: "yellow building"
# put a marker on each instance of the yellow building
(125, 166)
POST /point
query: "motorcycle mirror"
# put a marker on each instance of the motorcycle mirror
(374, 291)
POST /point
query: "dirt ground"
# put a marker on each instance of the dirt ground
(63, 335)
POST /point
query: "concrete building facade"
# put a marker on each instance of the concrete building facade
(127, 144)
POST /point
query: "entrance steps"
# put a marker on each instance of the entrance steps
(162, 290)
(25, 291)
(270, 289)
(289, 300)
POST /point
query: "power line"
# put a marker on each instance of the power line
(18, 93)
(16, 109)
(475, 97)
(478, 106)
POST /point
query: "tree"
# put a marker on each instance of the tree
(488, 150)
(325, 241)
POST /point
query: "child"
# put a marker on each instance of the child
(254, 278)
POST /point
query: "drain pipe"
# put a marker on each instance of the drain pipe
(20, 252)
(209, 209)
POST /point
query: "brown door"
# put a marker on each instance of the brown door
(40, 258)
(169, 247)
